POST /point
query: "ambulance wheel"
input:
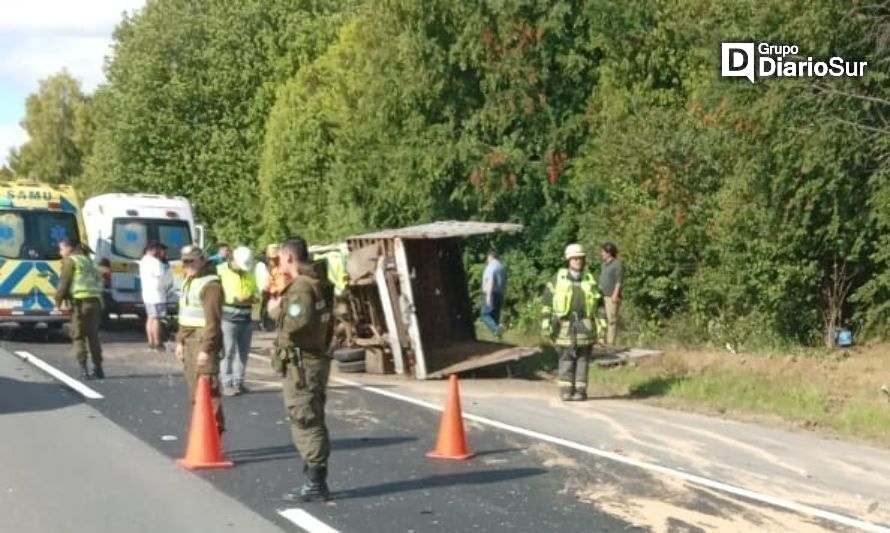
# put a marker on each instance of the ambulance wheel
(349, 355)
(353, 367)
(105, 323)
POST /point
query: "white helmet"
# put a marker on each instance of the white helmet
(574, 250)
(242, 258)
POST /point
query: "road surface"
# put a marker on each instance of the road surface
(68, 463)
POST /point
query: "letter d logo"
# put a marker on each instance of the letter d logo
(737, 60)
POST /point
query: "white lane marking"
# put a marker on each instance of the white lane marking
(59, 375)
(691, 478)
(306, 521)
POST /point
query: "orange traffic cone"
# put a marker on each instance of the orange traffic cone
(203, 450)
(452, 441)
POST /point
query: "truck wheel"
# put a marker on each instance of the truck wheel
(349, 355)
(353, 367)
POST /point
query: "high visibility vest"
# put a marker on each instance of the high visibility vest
(87, 282)
(571, 332)
(562, 294)
(236, 284)
(191, 310)
(336, 269)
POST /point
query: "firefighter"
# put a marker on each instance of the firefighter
(570, 302)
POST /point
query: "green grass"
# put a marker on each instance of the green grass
(735, 390)
(794, 394)
(865, 419)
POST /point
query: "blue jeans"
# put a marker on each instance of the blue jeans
(491, 315)
(236, 350)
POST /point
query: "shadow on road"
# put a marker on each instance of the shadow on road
(111, 376)
(481, 477)
(499, 451)
(32, 335)
(658, 386)
(27, 396)
(273, 453)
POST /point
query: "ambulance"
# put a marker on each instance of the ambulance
(120, 226)
(34, 217)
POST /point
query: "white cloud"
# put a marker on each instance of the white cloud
(39, 38)
(11, 135)
(84, 15)
(31, 59)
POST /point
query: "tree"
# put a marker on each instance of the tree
(59, 126)
(188, 94)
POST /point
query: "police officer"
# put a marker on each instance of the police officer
(570, 301)
(80, 282)
(304, 325)
(199, 341)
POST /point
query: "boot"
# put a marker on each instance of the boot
(84, 371)
(98, 373)
(315, 488)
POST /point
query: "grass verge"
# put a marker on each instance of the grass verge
(831, 393)
(836, 393)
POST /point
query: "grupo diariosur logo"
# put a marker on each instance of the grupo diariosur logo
(765, 60)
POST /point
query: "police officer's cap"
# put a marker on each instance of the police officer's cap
(192, 253)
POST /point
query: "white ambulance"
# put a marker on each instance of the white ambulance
(120, 226)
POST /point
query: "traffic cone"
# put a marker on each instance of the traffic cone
(203, 450)
(452, 441)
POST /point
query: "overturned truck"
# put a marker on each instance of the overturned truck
(408, 302)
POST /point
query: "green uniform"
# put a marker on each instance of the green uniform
(568, 318)
(200, 316)
(81, 283)
(305, 328)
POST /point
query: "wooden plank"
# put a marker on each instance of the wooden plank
(622, 357)
(388, 312)
(504, 355)
(413, 326)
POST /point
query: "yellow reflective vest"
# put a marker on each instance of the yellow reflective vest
(191, 309)
(237, 284)
(87, 281)
(557, 307)
(336, 268)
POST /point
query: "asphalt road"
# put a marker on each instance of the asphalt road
(66, 462)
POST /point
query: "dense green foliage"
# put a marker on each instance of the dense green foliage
(743, 211)
(59, 127)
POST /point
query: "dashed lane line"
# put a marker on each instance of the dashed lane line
(306, 521)
(781, 503)
(74, 384)
(299, 517)
(767, 499)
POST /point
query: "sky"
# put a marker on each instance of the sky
(39, 38)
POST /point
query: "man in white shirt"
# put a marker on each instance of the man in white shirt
(156, 281)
